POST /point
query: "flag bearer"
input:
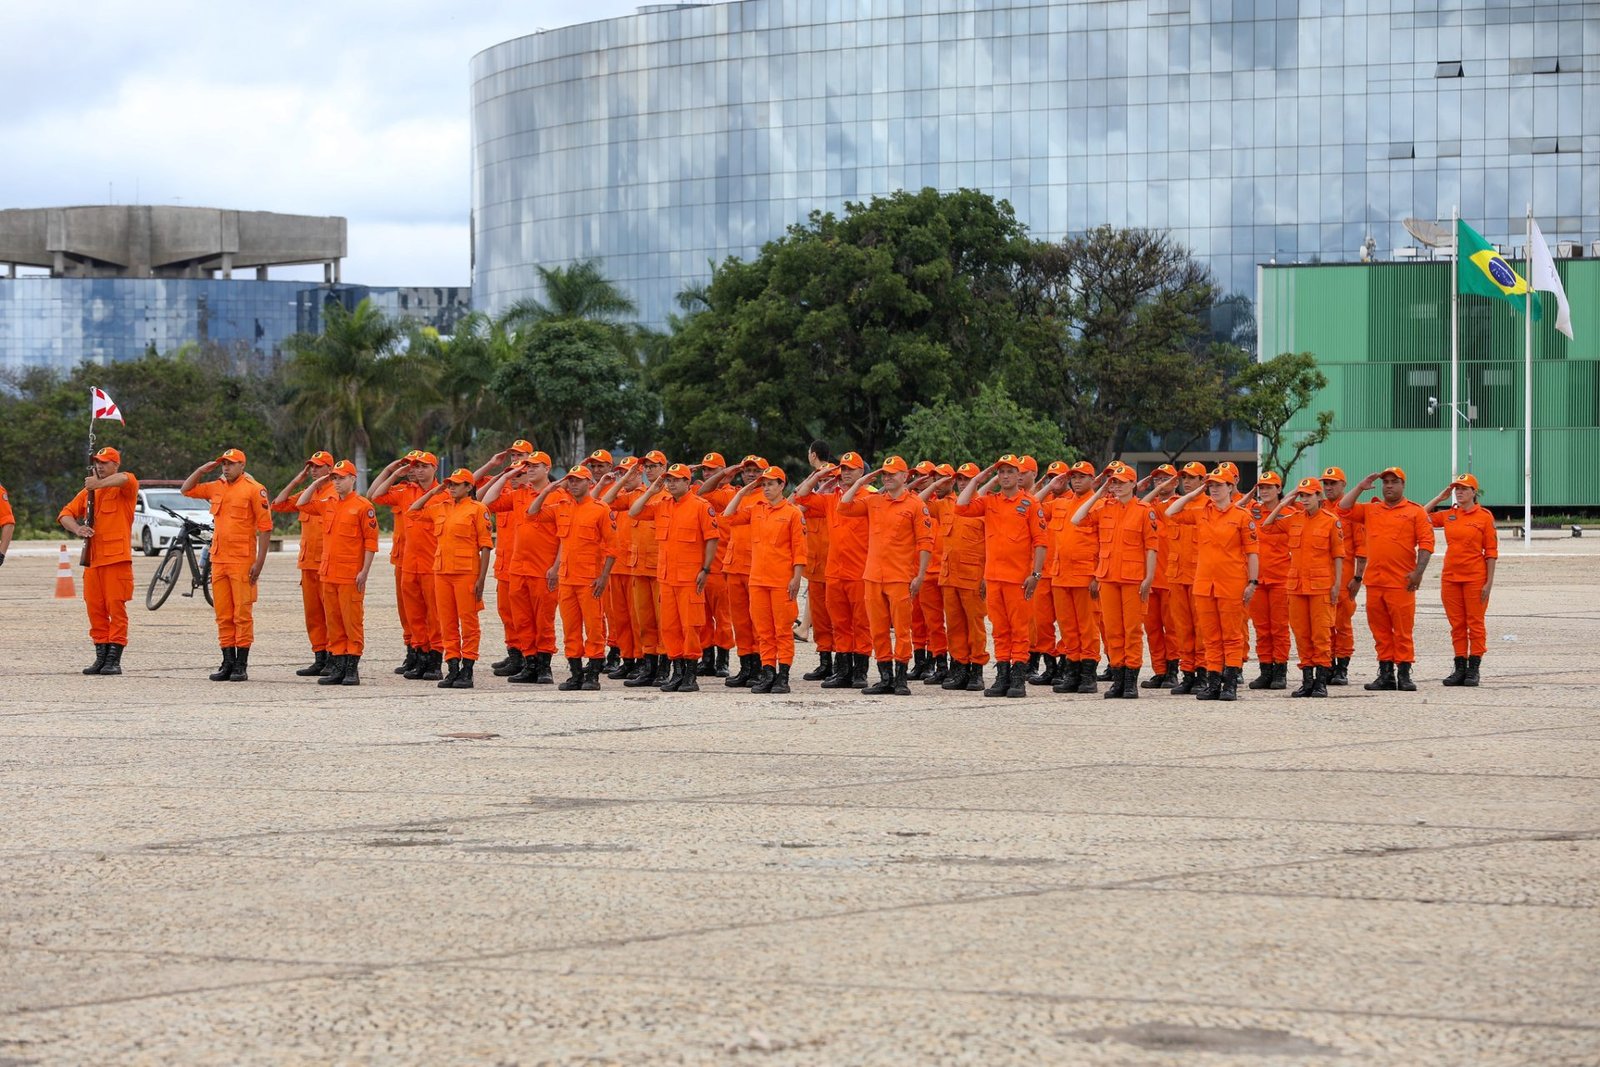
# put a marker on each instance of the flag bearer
(108, 576)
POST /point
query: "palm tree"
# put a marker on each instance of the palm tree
(349, 383)
(580, 291)
(460, 370)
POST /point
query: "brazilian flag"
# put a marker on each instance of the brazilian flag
(1481, 270)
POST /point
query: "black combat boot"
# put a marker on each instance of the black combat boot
(529, 672)
(781, 684)
(545, 677)
(765, 680)
(222, 673)
(1473, 663)
(749, 668)
(512, 664)
(464, 675)
(319, 664)
(901, 677)
(1046, 674)
(1459, 675)
(672, 678)
(102, 651)
(574, 680)
(419, 665)
(1385, 678)
(648, 669)
(938, 670)
(690, 683)
(1033, 665)
(1319, 683)
(1209, 686)
(840, 678)
(1263, 680)
(241, 665)
(621, 670)
(822, 670)
(335, 675)
(1107, 675)
(1308, 682)
(1002, 680)
(352, 674)
(448, 681)
(1280, 677)
(722, 662)
(433, 666)
(920, 661)
(613, 660)
(975, 678)
(885, 683)
(858, 670)
(956, 677)
(1403, 680)
(1185, 686)
(1130, 683)
(1017, 680)
(1118, 681)
(1087, 681)
(410, 660)
(707, 667)
(1230, 683)
(1340, 675)
(591, 675)
(500, 664)
(114, 661)
(1067, 676)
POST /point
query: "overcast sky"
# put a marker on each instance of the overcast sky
(352, 108)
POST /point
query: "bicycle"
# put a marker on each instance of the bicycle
(165, 579)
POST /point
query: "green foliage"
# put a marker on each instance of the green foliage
(1270, 394)
(981, 431)
(459, 371)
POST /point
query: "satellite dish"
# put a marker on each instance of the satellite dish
(1430, 233)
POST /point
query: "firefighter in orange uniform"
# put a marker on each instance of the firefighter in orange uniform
(820, 457)
(1226, 550)
(1185, 635)
(505, 520)
(930, 636)
(719, 634)
(1014, 550)
(961, 545)
(1125, 570)
(1471, 547)
(777, 559)
(398, 486)
(348, 526)
(525, 547)
(581, 572)
(1269, 608)
(899, 547)
(310, 559)
(618, 624)
(736, 571)
(463, 541)
(1316, 566)
(1071, 572)
(1355, 570)
(8, 524)
(1160, 623)
(643, 560)
(619, 590)
(1044, 638)
(241, 532)
(687, 532)
(818, 498)
(108, 576)
(1399, 545)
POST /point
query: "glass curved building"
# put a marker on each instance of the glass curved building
(1256, 130)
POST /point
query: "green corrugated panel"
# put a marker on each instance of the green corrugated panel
(1409, 318)
(1330, 313)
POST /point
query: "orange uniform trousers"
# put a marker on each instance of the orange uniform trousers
(503, 595)
(533, 615)
(400, 608)
(1180, 635)
(1123, 614)
(646, 609)
(964, 617)
(233, 596)
(419, 606)
(928, 630)
(314, 606)
(683, 614)
(582, 620)
(1009, 613)
(106, 592)
(718, 630)
(772, 614)
(345, 608)
(847, 608)
(1311, 618)
(821, 618)
(1080, 631)
(744, 631)
(1464, 607)
(1344, 631)
(889, 609)
(1158, 629)
(1219, 620)
(1392, 616)
(620, 633)
(1042, 625)
(458, 614)
(1269, 612)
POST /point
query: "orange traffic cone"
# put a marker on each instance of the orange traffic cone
(64, 588)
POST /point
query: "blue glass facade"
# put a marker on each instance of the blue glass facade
(58, 323)
(1254, 129)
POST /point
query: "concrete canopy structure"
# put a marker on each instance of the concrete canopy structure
(147, 241)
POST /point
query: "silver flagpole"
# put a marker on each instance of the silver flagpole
(1455, 341)
(1527, 392)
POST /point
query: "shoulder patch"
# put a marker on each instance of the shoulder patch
(371, 514)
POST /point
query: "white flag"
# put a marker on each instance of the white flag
(102, 406)
(1542, 275)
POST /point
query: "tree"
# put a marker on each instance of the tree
(459, 370)
(981, 431)
(581, 291)
(349, 385)
(571, 385)
(1270, 395)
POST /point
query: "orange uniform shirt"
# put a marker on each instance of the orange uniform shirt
(737, 559)
(1315, 542)
(719, 498)
(962, 537)
(777, 534)
(1185, 546)
(643, 547)
(240, 509)
(460, 529)
(1394, 536)
(1077, 547)
(350, 531)
(1224, 541)
(311, 525)
(508, 509)
(538, 538)
(1166, 545)
(817, 544)
(584, 527)
(7, 517)
(847, 536)
(1123, 534)
(113, 521)
(682, 528)
(1274, 546)
(414, 530)
(1013, 527)
(898, 532)
(1469, 539)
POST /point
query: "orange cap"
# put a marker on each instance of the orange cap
(519, 445)
(774, 474)
(654, 457)
(924, 467)
(1270, 478)
(1195, 469)
(1309, 485)
(852, 460)
(1230, 470)
(944, 470)
(1465, 481)
(1121, 473)
(1083, 466)
(1167, 469)
(537, 457)
(895, 465)
(1395, 471)
(754, 461)
(1334, 474)
(714, 460)
(344, 469)
(1008, 460)
(232, 455)
(463, 475)
(1220, 477)
(600, 455)
(629, 463)
(678, 470)
(417, 455)
(320, 459)
(581, 472)
(108, 455)
(1057, 468)
(969, 470)
(1028, 463)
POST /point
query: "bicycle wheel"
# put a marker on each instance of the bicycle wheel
(205, 576)
(165, 579)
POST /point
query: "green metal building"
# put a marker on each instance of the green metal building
(1381, 334)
